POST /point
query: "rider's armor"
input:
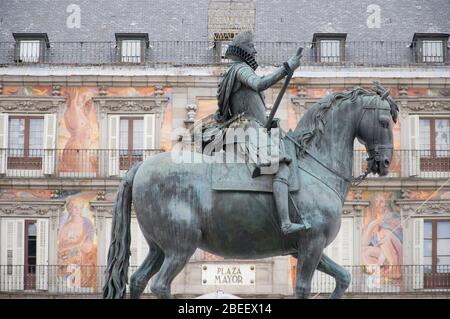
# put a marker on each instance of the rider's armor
(240, 92)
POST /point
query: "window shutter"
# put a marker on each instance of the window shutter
(3, 142)
(417, 276)
(113, 145)
(346, 233)
(49, 143)
(149, 134)
(108, 225)
(42, 255)
(134, 243)
(357, 158)
(141, 246)
(414, 153)
(341, 251)
(12, 254)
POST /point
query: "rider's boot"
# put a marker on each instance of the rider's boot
(281, 195)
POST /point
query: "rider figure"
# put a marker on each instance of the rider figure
(240, 91)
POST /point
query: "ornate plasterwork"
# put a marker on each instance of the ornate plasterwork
(33, 104)
(354, 208)
(432, 208)
(127, 104)
(31, 208)
(424, 104)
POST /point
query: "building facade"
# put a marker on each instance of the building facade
(88, 88)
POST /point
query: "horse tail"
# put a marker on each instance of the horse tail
(119, 248)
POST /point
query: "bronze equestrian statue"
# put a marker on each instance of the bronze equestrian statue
(240, 92)
(184, 206)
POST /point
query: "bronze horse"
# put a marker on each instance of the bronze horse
(178, 211)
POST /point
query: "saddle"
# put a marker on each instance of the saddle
(238, 176)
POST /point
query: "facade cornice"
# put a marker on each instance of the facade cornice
(126, 104)
(31, 104)
(421, 208)
(34, 208)
(423, 105)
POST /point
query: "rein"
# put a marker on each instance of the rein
(375, 147)
(354, 181)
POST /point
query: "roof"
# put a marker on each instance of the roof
(178, 20)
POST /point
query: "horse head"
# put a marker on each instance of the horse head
(375, 129)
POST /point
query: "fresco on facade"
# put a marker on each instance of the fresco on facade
(36, 90)
(32, 194)
(429, 195)
(77, 242)
(382, 240)
(78, 131)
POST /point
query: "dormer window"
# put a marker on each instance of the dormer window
(30, 47)
(430, 47)
(329, 47)
(132, 47)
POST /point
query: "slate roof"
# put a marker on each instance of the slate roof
(276, 20)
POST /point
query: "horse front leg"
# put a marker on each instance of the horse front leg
(308, 257)
(339, 273)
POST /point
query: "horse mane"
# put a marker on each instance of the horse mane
(312, 124)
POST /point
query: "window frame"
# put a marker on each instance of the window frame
(433, 162)
(127, 160)
(316, 46)
(41, 37)
(143, 37)
(29, 277)
(26, 161)
(435, 279)
(417, 46)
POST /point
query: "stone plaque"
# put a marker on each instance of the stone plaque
(228, 274)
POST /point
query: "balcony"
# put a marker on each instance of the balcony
(109, 163)
(205, 53)
(87, 281)
(69, 163)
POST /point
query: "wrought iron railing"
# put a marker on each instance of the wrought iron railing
(89, 280)
(109, 163)
(204, 53)
(70, 163)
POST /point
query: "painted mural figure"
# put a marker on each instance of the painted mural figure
(80, 121)
(382, 239)
(240, 92)
(76, 242)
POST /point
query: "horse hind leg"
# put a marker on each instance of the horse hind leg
(339, 273)
(308, 257)
(146, 270)
(182, 246)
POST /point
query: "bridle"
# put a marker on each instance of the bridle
(375, 147)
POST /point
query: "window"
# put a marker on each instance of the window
(329, 47)
(25, 142)
(433, 51)
(437, 253)
(131, 141)
(434, 144)
(132, 47)
(430, 47)
(221, 42)
(30, 47)
(30, 253)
